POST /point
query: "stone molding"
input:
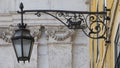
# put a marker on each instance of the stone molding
(35, 32)
(59, 33)
(6, 33)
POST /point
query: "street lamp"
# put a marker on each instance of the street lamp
(22, 41)
(94, 22)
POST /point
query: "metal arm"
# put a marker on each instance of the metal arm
(77, 20)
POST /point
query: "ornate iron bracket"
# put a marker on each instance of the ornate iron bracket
(93, 24)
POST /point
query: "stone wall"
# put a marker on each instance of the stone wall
(55, 46)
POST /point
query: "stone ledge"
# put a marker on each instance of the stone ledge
(59, 43)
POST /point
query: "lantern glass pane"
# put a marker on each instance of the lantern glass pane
(26, 47)
(26, 33)
(17, 45)
(18, 33)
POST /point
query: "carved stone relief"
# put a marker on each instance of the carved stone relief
(7, 32)
(59, 33)
(35, 32)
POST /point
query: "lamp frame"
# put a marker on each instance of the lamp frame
(23, 58)
(22, 28)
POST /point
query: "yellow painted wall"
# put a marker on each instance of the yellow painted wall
(106, 51)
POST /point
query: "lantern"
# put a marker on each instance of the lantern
(22, 43)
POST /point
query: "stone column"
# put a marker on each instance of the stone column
(6, 55)
(59, 47)
(60, 55)
(80, 50)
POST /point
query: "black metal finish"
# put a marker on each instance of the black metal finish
(22, 34)
(93, 24)
(21, 37)
(78, 20)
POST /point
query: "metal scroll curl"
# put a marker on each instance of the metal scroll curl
(93, 23)
(96, 26)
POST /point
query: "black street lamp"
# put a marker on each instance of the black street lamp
(22, 41)
(96, 24)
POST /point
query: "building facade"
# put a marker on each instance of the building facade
(106, 54)
(55, 45)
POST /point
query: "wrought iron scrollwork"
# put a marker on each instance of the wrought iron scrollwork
(38, 14)
(73, 20)
(96, 26)
(93, 22)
